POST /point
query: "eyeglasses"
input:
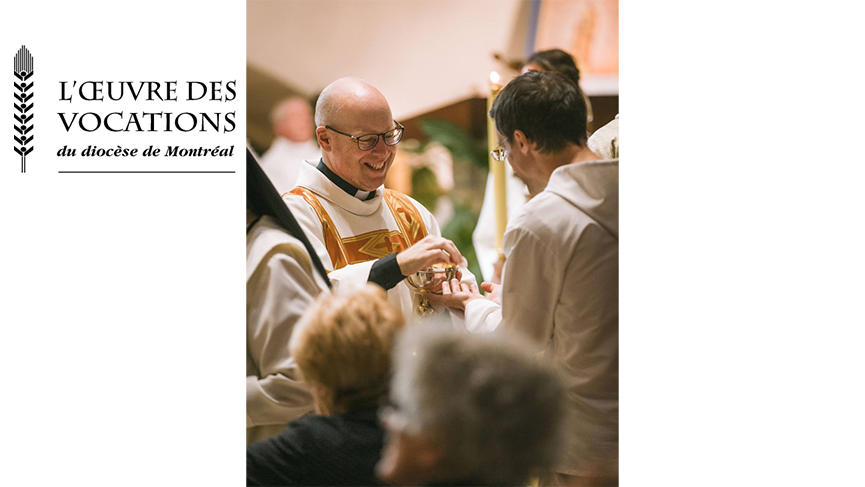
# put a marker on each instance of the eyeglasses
(369, 141)
(499, 153)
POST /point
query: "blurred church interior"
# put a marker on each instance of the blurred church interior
(433, 60)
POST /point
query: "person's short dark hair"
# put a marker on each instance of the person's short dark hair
(559, 61)
(545, 106)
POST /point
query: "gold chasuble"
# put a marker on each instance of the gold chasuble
(371, 245)
(349, 234)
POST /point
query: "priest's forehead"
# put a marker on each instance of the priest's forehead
(364, 116)
(355, 106)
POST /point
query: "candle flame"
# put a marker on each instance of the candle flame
(494, 77)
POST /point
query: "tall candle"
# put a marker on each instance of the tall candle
(497, 168)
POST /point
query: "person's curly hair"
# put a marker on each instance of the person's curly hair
(344, 344)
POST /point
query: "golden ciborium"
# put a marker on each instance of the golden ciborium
(429, 281)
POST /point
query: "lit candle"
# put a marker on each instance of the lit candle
(497, 168)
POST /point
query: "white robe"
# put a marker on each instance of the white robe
(281, 283)
(560, 289)
(484, 236)
(353, 217)
(282, 161)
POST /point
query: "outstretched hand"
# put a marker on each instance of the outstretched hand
(428, 251)
(455, 295)
(494, 292)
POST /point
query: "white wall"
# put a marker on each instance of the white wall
(422, 54)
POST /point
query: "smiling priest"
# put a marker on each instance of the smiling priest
(361, 231)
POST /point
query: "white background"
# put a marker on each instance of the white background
(121, 336)
(742, 243)
(122, 342)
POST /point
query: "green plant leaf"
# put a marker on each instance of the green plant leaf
(457, 140)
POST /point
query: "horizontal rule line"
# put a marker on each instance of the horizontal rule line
(146, 172)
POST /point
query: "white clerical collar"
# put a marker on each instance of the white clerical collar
(313, 179)
(343, 184)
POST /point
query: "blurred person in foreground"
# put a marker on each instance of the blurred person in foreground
(343, 348)
(484, 236)
(362, 231)
(294, 129)
(283, 278)
(560, 284)
(469, 410)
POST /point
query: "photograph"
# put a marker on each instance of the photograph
(432, 242)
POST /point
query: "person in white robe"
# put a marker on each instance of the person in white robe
(361, 231)
(560, 278)
(295, 141)
(516, 192)
(280, 286)
(484, 236)
(282, 280)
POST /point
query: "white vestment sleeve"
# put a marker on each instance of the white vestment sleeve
(482, 316)
(350, 278)
(278, 293)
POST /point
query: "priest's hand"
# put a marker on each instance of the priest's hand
(455, 295)
(428, 251)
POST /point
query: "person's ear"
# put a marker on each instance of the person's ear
(323, 138)
(522, 143)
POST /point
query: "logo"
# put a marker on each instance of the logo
(23, 104)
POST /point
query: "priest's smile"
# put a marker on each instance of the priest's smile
(375, 167)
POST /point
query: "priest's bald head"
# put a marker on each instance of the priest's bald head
(356, 131)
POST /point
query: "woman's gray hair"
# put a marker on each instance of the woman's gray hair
(496, 410)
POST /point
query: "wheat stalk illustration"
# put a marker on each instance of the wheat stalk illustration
(23, 71)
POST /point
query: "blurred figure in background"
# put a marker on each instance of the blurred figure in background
(295, 141)
(469, 410)
(557, 60)
(343, 348)
(283, 278)
(605, 141)
(484, 236)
